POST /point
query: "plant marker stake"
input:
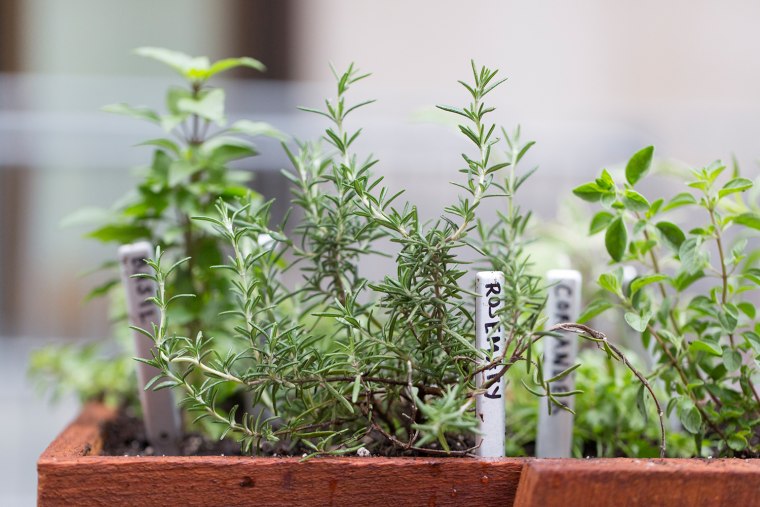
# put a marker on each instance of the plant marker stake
(555, 431)
(162, 420)
(489, 336)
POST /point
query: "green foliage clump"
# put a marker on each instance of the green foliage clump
(345, 361)
(692, 305)
(604, 424)
(85, 371)
(342, 361)
(188, 173)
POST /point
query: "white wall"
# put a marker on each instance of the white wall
(96, 36)
(683, 74)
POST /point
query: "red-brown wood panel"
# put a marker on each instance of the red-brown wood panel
(72, 473)
(640, 482)
(69, 474)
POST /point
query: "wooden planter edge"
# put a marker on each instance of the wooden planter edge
(71, 471)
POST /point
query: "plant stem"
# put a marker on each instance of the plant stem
(674, 323)
(597, 336)
(723, 270)
(480, 187)
(685, 382)
(661, 285)
(724, 292)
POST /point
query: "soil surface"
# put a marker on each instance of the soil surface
(125, 436)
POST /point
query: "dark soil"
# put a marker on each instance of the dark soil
(125, 436)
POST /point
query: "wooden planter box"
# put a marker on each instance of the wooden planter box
(71, 472)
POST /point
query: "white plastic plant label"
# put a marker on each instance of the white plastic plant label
(555, 430)
(489, 336)
(162, 419)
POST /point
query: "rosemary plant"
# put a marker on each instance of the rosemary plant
(342, 361)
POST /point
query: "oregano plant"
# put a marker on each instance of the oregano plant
(342, 361)
(692, 304)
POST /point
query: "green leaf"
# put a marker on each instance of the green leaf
(163, 144)
(682, 199)
(753, 339)
(534, 392)
(593, 309)
(676, 340)
(209, 106)
(198, 72)
(610, 282)
(356, 389)
(590, 192)
(641, 403)
(747, 308)
(729, 318)
(638, 322)
(689, 416)
(160, 168)
(181, 170)
(732, 359)
(564, 373)
(141, 113)
(715, 169)
(634, 201)
(616, 239)
(737, 442)
(120, 233)
(692, 258)
(174, 59)
(703, 346)
(223, 149)
(605, 181)
(750, 219)
(655, 208)
(639, 164)
(101, 290)
(600, 222)
(231, 63)
(173, 96)
(643, 281)
(339, 397)
(735, 185)
(455, 110)
(683, 280)
(172, 121)
(672, 234)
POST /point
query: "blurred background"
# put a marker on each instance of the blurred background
(591, 81)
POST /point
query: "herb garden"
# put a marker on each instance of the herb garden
(273, 370)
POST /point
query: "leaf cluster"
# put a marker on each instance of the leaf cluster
(692, 303)
(604, 424)
(343, 361)
(189, 171)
